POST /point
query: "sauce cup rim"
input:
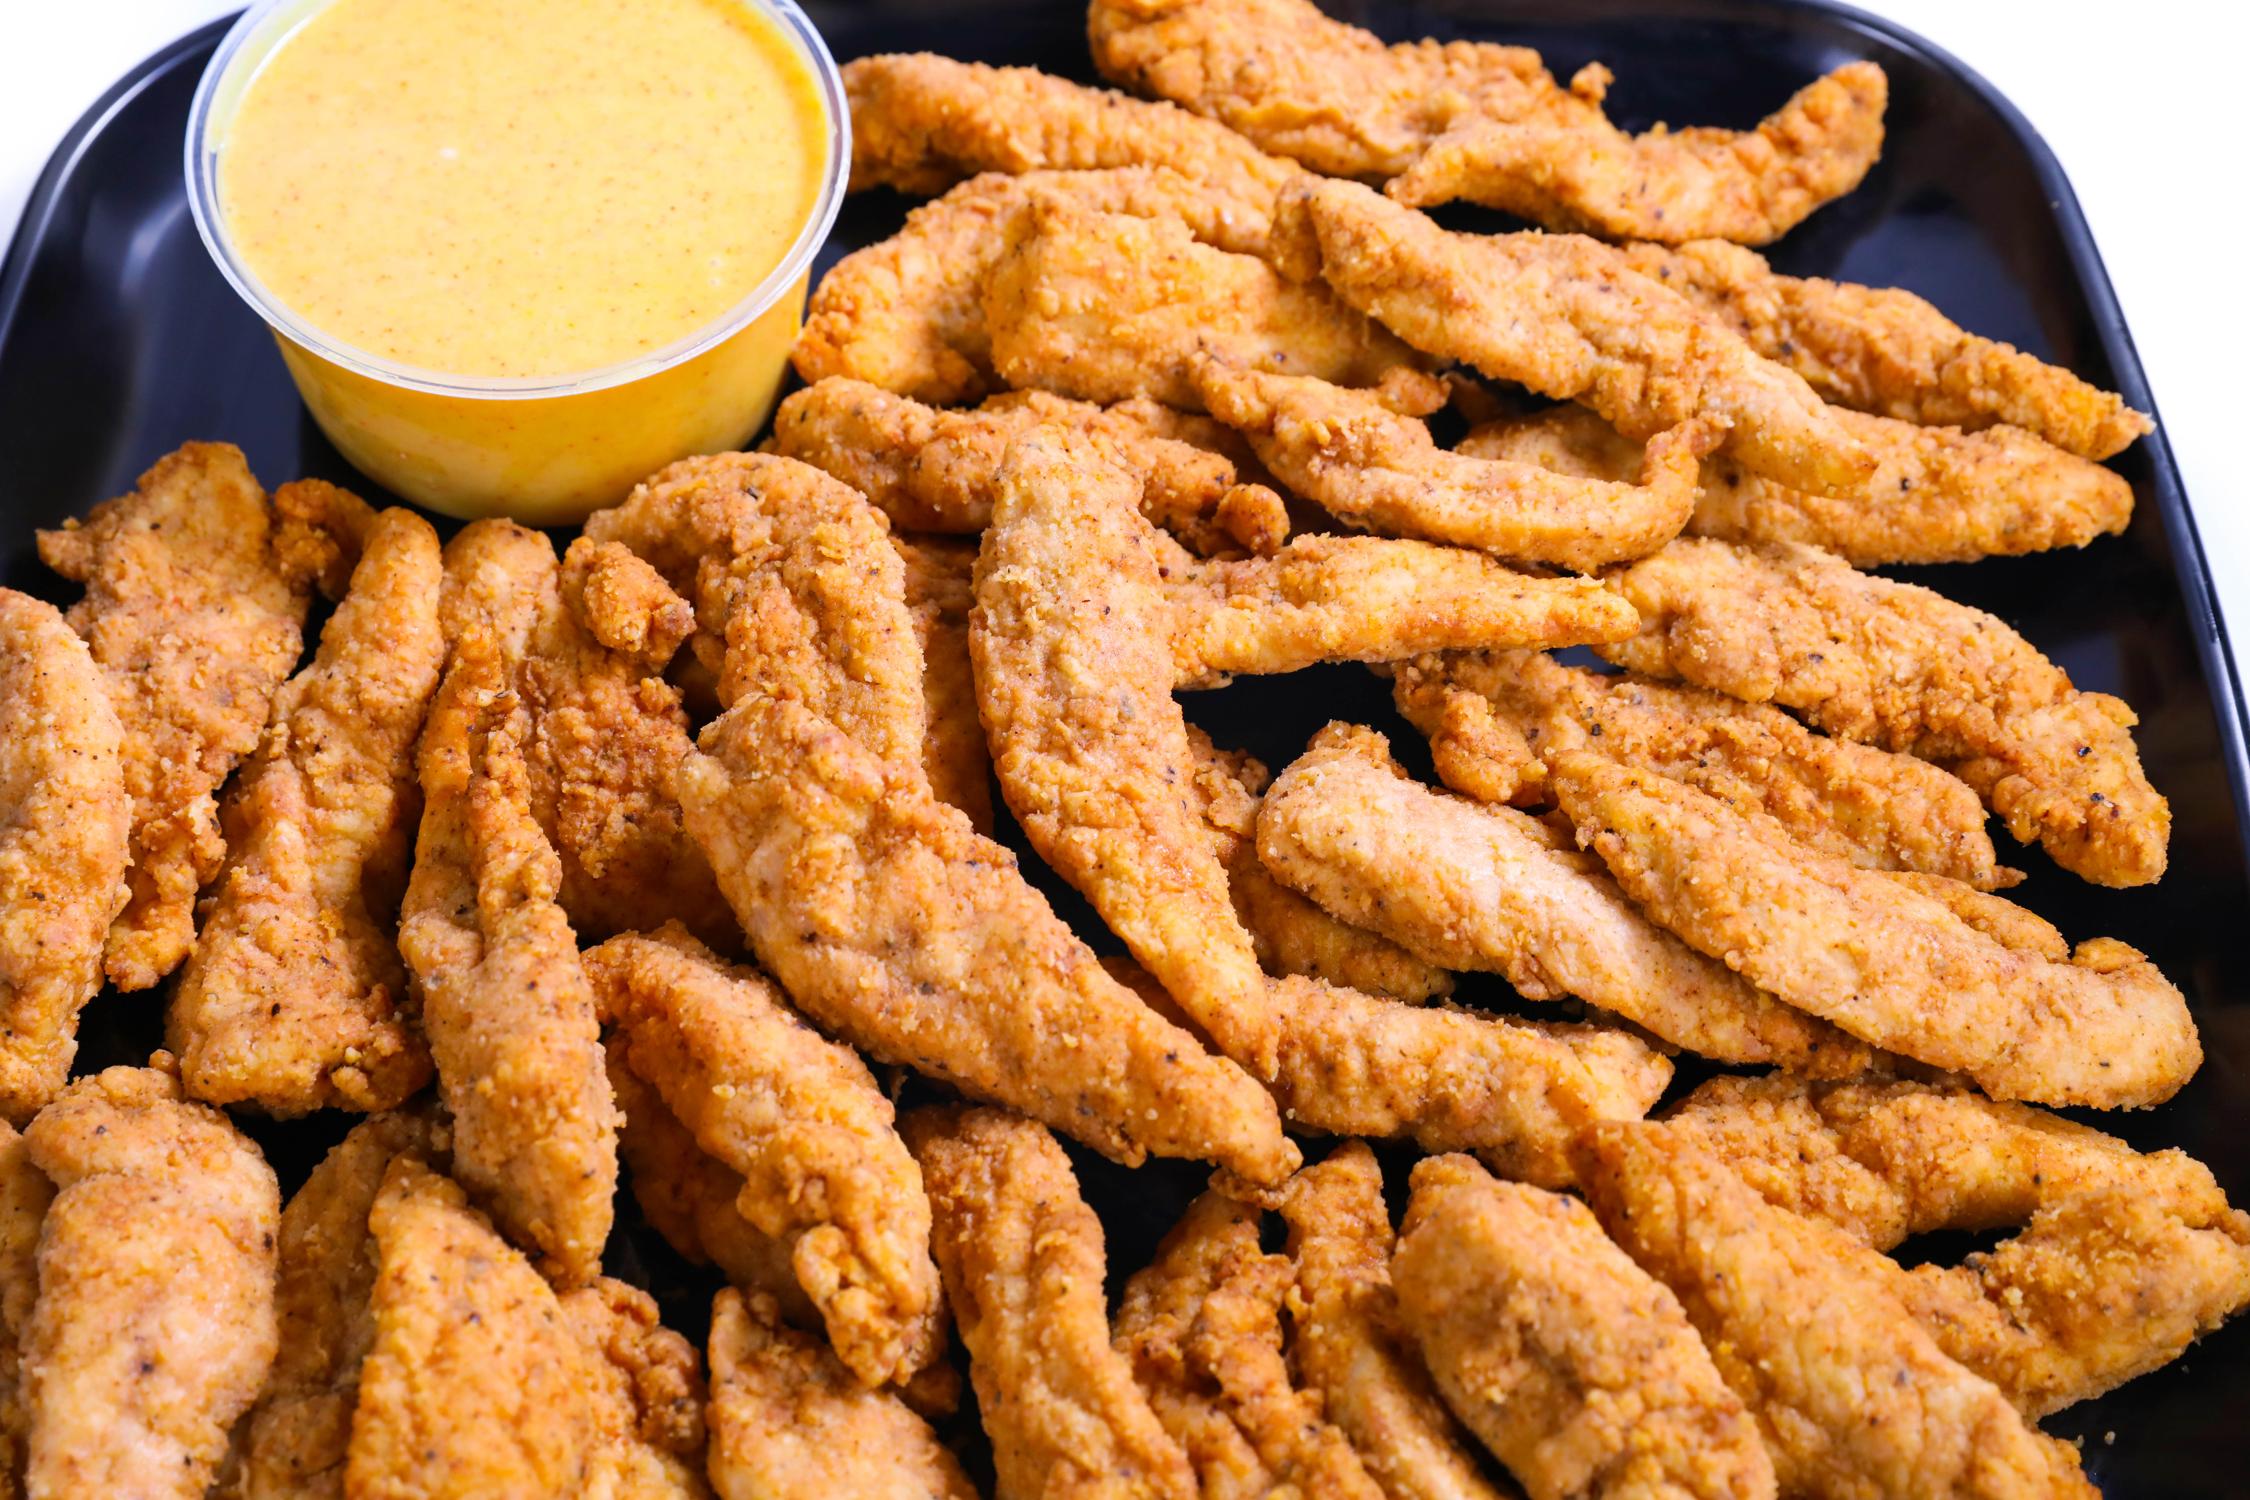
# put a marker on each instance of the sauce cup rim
(259, 26)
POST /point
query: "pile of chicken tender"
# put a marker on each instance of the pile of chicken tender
(662, 862)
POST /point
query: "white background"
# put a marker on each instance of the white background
(2143, 101)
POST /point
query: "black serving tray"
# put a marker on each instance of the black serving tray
(118, 341)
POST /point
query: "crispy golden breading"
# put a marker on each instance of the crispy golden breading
(1575, 1367)
(66, 824)
(505, 1001)
(939, 596)
(1201, 1324)
(1107, 306)
(25, 1193)
(625, 604)
(804, 1124)
(1346, 1346)
(194, 615)
(1851, 1396)
(291, 1445)
(481, 1382)
(155, 1321)
(1871, 659)
(295, 998)
(1878, 957)
(933, 470)
(1874, 807)
(2124, 1259)
(789, 1422)
(1884, 350)
(1074, 677)
(1486, 888)
(1936, 494)
(1569, 318)
(1370, 461)
(921, 123)
(1489, 123)
(907, 314)
(1022, 1257)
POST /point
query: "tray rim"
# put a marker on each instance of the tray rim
(2191, 563)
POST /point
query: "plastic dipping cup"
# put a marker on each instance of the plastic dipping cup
(544, 451)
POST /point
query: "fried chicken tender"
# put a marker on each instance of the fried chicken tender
(295, 998)
(803, 1123)
(933, 470)
(505, 1001)
(1346, 1346)
(1575, 1367)
(1370, 461)
(66, 824)
(1491, 715)
(1870, 659)
(482, 1382)
(1572, 320)
(1937, 494)
(2124, 1259)
(1489, 123)
(25, 1193)
(921, 123)
(890, 922)
(1107, 307)
(1883, 350)
(1201, 1325)
(1022, 1256)
(939, 597)
(194, 615)
(155, 1320)
(789, 1422)
(907, 314)
(1879, 957)
(1851, 1396)
(292, 1444)
(1486, 888)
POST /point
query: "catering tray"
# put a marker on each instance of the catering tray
(118, 340)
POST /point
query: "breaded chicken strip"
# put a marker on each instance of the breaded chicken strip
(789, 1422)
(907, 313)
(1491, 715)
(2124, 1259)
(292, 1444)
(939, 596)
(1569, 318)
(1936, 494)
(892, 923)
(1871, 659)
(1486, 122)
(1107, 306)
(481, 1382)
(155, 1321)
(933, 470)
(1022, 1257)
(1487, 888)
(1346, 1345)
(1879, 957)
(1201, 1324)
(194, 613)
(1575, 1367)
(804, 1124)
(1883, 350)
(295, 997)
(25, 1192)
(66, 823)
(505, 1001)
(921, 123)
(1851, 1397)
(1369, 460)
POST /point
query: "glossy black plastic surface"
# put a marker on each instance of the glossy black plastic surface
(118, 341)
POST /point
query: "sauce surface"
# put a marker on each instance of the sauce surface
(515, 188)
